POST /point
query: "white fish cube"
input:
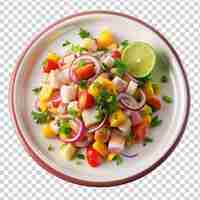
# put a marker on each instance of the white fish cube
(125, 128)
(132, 86)
(90, 116)
(68, 93)
(119, 83)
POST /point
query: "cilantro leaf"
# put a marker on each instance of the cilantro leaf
(72, 112)
(117, 159)
(66, 43)
(37, 90)
(40, 117)
(147, 140)
(167, 99)
(120, 67)
(76, 48)
(83, 33)
(124, 44)
(155, 121)
(83, 84)
(80, 156)
(64, 127)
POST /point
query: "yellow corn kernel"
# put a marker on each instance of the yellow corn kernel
(53, 57)
(148, 89)
(147, 119)
(117, 118)
(94, 90)
(43, 105)
(147, 110)
(111, 156)
(100, 148)
(45, 93)
(105, 39)
(47, 131)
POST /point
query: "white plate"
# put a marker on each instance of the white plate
(27, 75)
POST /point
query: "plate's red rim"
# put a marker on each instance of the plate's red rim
(53, 171)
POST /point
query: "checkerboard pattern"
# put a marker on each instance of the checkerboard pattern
(177, 178)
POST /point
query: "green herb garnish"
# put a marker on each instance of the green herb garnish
(76, 48)
(147, 140)
(164, 79)
(72, 112)
(83, 33)
(80, 156)
(155, 121)
(124, 44)
(117, 159)
(64, 127)
(83, 84)
(104, 67)
(120, 67)
(106, 103)
(167, 99)
(81, 63)
(50, 147)
(66, 43)
(41, 117)
(36, 91)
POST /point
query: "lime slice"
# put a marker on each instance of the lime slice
(140, 58)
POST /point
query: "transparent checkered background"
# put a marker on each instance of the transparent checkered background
(177, 178)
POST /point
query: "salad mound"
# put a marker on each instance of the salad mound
(91, 101)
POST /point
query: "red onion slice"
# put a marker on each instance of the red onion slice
(78, 127)
(129, 155)
(93, 129)
(82, 144)
(130, 102)
(89, 59)
(131, 78)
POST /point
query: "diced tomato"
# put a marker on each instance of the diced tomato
(50, 65)
(154, 101)
(85, 72)
(93, 157)
(55, 98)
(116, 54)
(140, 131)
(85, 100)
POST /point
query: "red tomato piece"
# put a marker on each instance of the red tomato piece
(93, 157)
(85, 100)
(116, 54)
(51, 65)
(154, 101)
(140, 131)
(55, 98)
(85, 72)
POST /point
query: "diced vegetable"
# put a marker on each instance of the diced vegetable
(100, 148)
(93, 157)
(45, 93)
(42, 105)
(125, 128)
(105, 39)
(68, 151)
(132, 87)
(85, 72)
(116, 54)
(117, 118)
(147, 110)
(116, 143)
(136, 118)
(102, 135)
(54, 57)
(147, 119)
(89, 44)
(50, 65)
(47, 131)
(89, 116)
(154, 101)
(148, 88)
(85, 100)
(120, 84)
(68, 93)
(111, 156)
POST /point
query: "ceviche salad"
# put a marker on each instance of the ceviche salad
(99, 99)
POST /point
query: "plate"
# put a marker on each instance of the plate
(26, 76)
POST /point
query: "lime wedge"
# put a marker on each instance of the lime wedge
(140, 58)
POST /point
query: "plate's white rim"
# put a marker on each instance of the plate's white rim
(53, 171)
